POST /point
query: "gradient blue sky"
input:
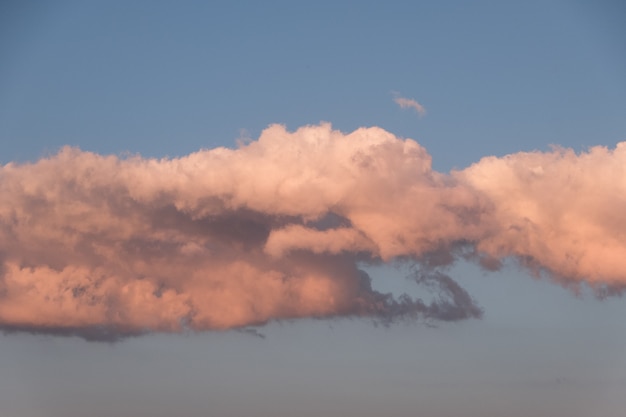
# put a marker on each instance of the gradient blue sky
(165, 79)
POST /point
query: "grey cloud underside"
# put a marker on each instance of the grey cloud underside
(241, 234)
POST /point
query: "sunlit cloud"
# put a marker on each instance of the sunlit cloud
(281, 228)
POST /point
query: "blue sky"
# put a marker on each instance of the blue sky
(159, 79)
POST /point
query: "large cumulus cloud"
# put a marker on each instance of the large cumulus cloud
(102, 246)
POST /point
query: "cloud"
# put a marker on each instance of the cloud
(105, 247)
(409, 103)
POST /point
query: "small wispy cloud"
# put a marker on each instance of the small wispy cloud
(408, 103)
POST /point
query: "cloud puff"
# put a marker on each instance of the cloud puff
(557, 211)
(409, 103)
(103, 247)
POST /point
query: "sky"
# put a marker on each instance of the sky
(312, 208)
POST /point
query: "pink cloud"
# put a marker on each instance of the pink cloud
(102, 247)
(409, 103)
